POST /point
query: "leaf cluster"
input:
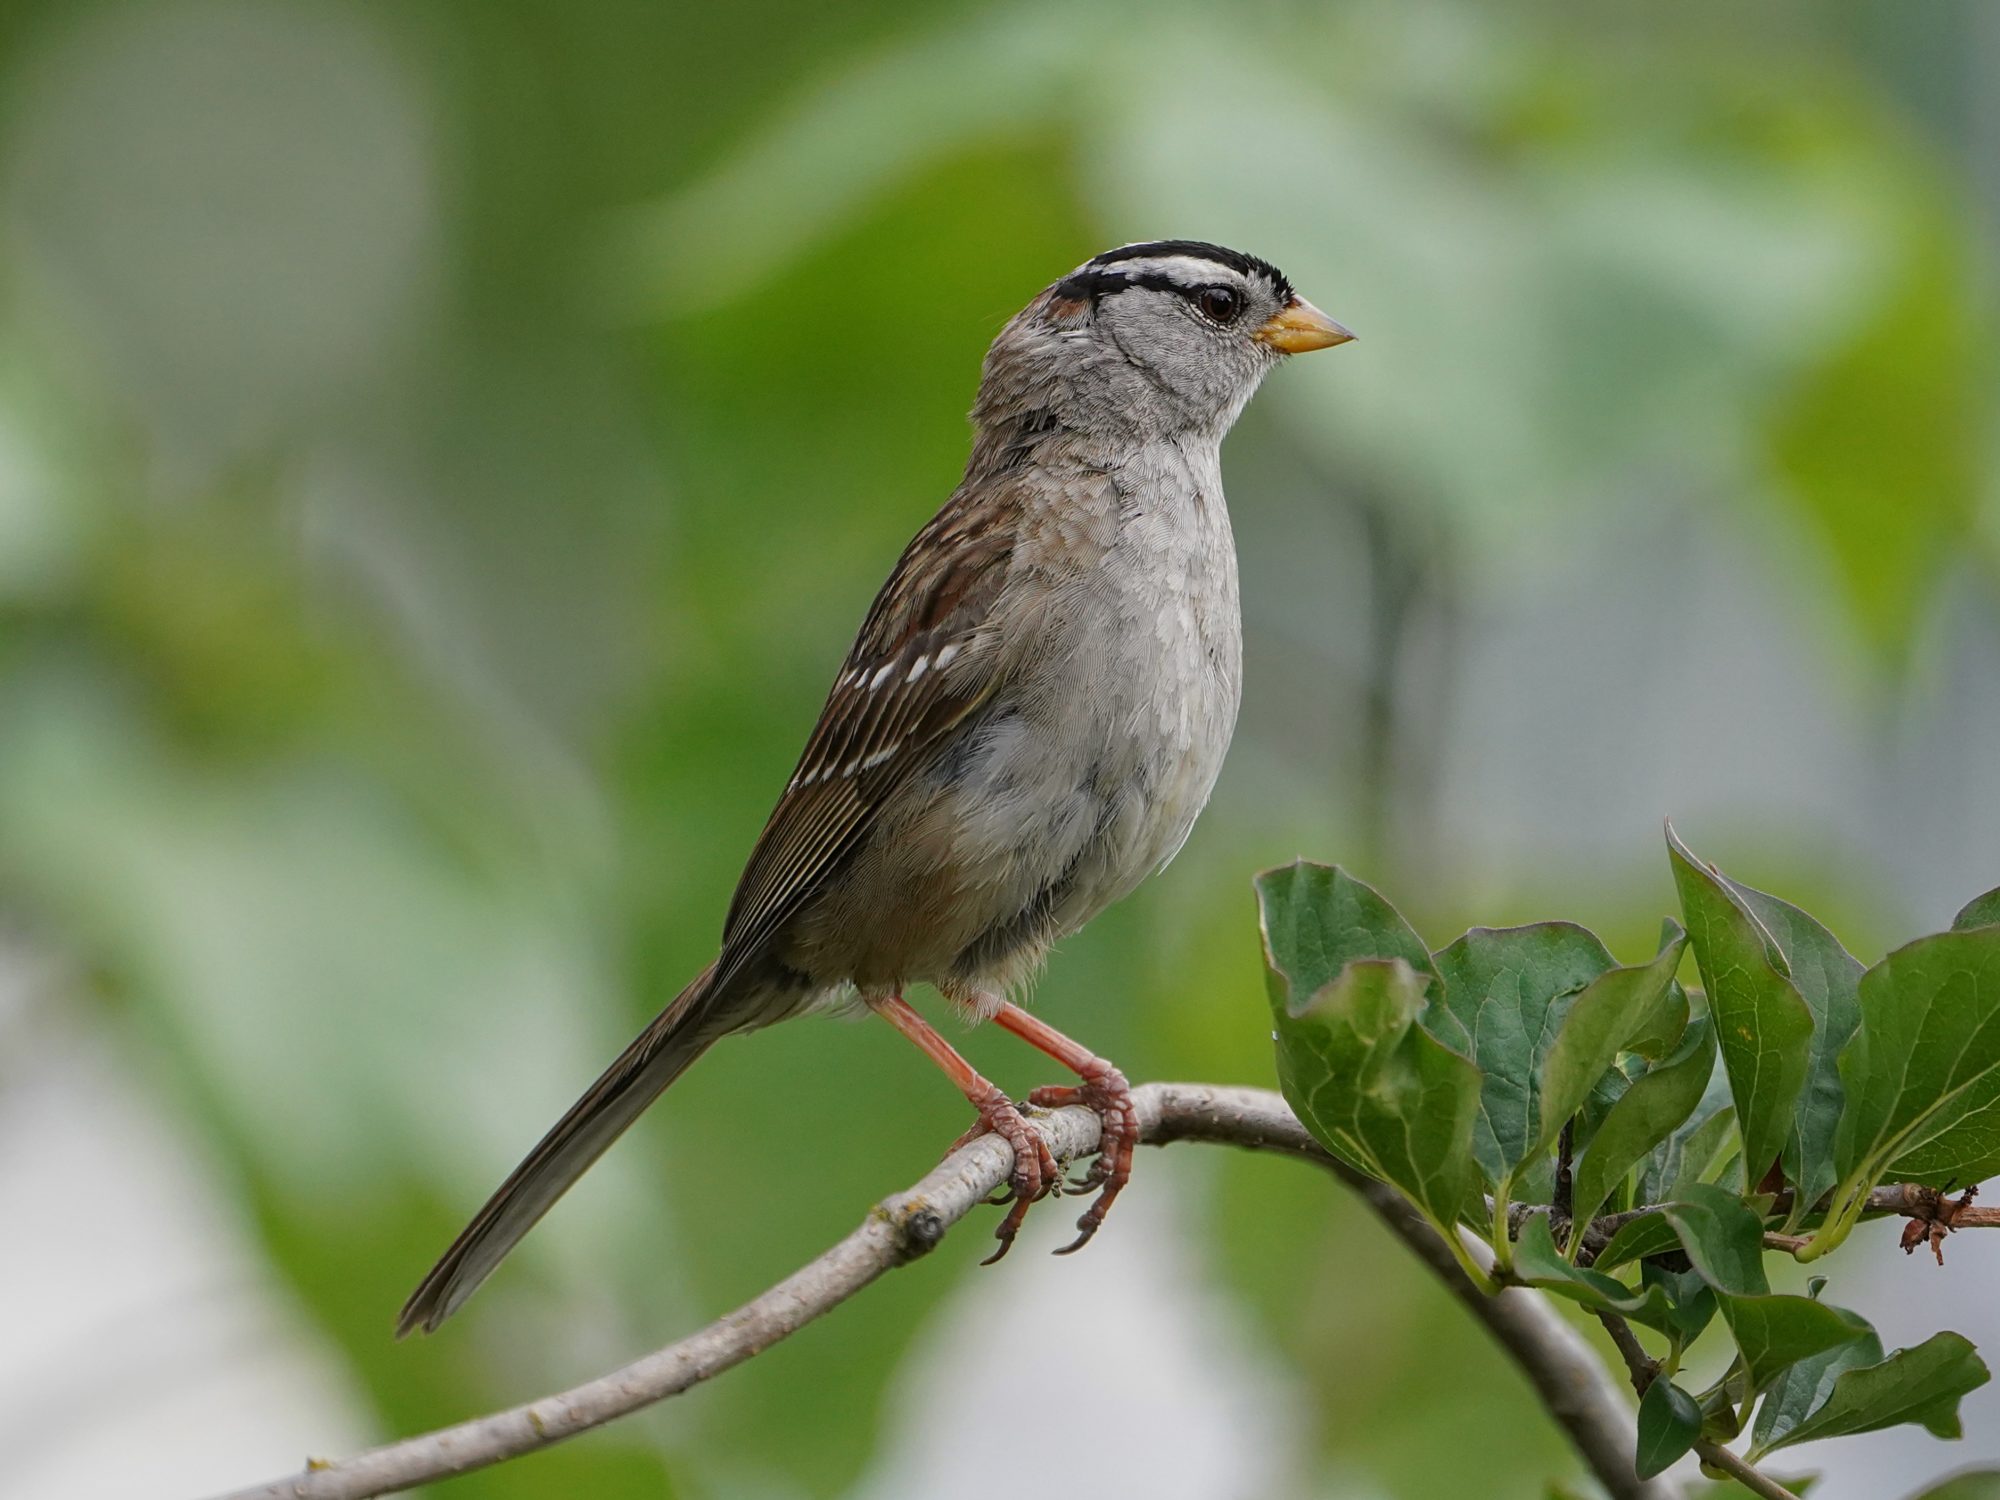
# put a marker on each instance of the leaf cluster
(1633, 1144)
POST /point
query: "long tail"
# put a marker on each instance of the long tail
(660, 1054)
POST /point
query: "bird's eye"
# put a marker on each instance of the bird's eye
(1220, 304)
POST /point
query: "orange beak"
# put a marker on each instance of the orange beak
(1299, 328)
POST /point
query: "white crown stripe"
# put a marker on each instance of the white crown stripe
(1186, 270)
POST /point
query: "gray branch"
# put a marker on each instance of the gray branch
(1578, 1390)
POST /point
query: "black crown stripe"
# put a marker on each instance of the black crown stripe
(1236, 260)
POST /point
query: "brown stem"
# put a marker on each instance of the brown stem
(1563, 1206)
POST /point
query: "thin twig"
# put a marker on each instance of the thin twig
(1906, 1199)
(1572, 1382)
(1640, 1365)
(1562, 1208)
(1755, 1480)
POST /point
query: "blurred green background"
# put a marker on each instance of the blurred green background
(445, 448)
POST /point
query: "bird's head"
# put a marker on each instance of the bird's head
(1163, 336)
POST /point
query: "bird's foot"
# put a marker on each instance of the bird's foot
(1105, 1091)
(1036, 1172)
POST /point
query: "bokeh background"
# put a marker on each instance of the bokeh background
(445, 447)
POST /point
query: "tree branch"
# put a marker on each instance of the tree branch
(1571, 1381)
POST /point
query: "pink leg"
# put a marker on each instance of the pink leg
(1104, 1090)
(1035, 1170)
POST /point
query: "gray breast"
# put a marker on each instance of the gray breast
(1114, 740)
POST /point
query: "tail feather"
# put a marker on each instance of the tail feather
(659, 1055)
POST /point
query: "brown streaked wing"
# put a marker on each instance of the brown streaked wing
(884, 713)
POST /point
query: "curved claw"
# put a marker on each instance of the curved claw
(1009, 1227)
(1094, 1176)
(1093, 1217)
(1092, 1220)
(1035, 1173)
(1107, 1094)
(1084, 1236)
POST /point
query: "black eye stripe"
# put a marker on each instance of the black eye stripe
(1089, 285)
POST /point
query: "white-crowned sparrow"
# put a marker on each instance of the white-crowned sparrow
(1031, 717)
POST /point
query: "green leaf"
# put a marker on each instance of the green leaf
(1802, 1389)
(1923, 1073)
(1538, 1263)
(1669, 1422)
(1723, 1408)
(1320, 919)
(1980, 911)
(1644, 1117)
(1604, 1094)
(1649, 1234)
(1600, 1022)
(1922, 1385)
(1761, 1021)
(1703, 1148)
(1776, 1331)
(1723, 1238)
(1372, 1086)
(1693, 1299)
(1507, 992)
(1660, 1032)
(1370, 1083)
(1827, 977)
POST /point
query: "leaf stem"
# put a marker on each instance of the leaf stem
(1564, 1199)
(1850, 1201)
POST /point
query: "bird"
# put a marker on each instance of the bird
(1030, 719)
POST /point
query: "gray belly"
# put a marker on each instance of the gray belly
(1080, 778)
(1055, 802)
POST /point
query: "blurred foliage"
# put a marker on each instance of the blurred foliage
(444, 449)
